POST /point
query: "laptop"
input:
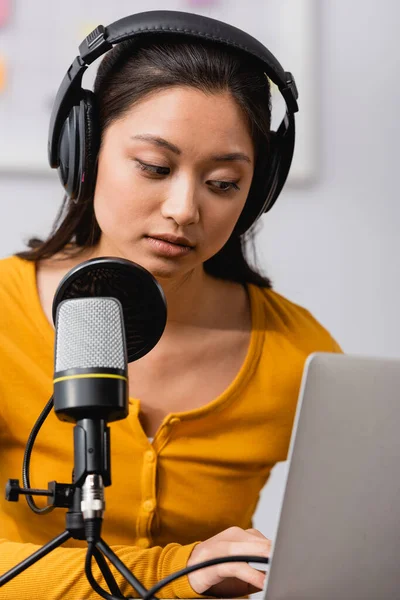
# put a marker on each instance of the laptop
(338, 535)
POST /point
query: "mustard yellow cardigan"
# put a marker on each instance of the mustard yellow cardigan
(202, 474)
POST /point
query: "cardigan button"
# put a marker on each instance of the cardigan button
(149, 456)
(149, 505)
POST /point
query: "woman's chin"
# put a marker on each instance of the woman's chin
(160, 269)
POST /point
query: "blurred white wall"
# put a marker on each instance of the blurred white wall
(332, 246)
(335, 247)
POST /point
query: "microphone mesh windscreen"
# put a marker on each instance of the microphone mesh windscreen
(90, 333)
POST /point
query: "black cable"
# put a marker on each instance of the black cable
(108, 576)
(89, 575)
(203, 565)
(119, 565)
(27, 459)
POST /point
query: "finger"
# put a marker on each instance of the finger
(261, 536)
(232, 533)
(243, 572)
(256, 547)
(239, 534)
(256, 533)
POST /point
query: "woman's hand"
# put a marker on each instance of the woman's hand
(229, 579)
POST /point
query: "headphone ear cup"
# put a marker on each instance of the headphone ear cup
(88, 145)
(283, 156)
(78, 148)
(260, 189)
(269, 174)
(68, 152)
(273, 169)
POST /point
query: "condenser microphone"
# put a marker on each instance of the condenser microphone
(107, 312)
(91, 389)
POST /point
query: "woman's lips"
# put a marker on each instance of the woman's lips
(164, 248)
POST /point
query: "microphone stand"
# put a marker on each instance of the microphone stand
(92, 472)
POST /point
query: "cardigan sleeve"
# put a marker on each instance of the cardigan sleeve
(60, 574)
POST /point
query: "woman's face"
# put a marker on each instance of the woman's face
(179, 163)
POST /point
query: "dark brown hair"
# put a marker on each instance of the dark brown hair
(127, 74)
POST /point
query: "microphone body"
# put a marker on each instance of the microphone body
(90, 393)
(91, 372)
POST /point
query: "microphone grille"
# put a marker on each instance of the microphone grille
(90, 334)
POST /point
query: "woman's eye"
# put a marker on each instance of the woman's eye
(220, 186)
(157, 170)
(225, 186)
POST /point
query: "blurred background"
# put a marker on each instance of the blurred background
(331, 242)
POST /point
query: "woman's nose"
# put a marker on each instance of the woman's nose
(181, 204)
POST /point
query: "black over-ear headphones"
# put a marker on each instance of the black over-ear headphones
(73, 134)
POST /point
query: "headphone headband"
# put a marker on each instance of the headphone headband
(141, 25)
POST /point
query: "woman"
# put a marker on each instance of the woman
(212, 405)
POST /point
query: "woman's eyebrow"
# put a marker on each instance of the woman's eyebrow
(159, 141)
